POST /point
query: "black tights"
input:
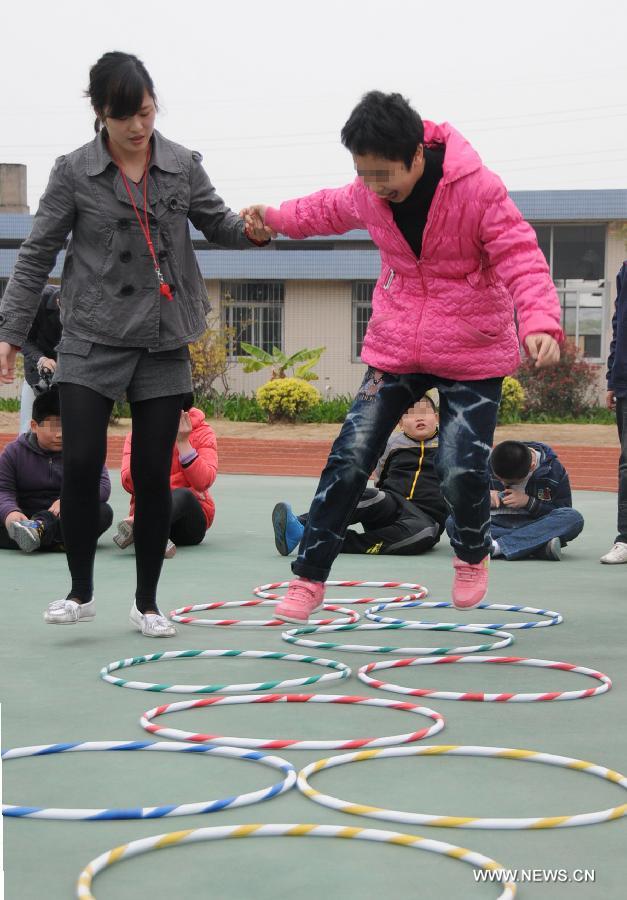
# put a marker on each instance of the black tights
(85, 416)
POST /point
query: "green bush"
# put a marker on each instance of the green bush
(9, 404)
(559, 392)
(334, 409)
(512, 401)
(287, 398)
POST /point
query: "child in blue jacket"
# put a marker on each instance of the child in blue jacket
(530, 501)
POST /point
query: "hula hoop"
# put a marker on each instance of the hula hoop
(342, 671)
(180, 615)
(418, 591)
(268, 743)
(605, 685)
(151, 812)
(554, 618)
(192, 836)
(293, 636)
(375, 812)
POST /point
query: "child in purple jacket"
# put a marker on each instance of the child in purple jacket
(30, 483)
(456, 257)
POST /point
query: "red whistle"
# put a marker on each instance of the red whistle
(166, 291)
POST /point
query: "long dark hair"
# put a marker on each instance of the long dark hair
(117, 83)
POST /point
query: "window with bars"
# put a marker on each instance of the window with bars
(254, 312)
(361, 312)
(576, 258)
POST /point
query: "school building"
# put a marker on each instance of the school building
(317, 292)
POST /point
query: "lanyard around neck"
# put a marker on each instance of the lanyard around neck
(164, 288)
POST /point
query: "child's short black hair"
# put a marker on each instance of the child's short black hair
(511, 460)
(384, 125)
(46, 405)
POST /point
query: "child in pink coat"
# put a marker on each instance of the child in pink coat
(456, 259)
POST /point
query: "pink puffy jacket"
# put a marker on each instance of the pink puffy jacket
(449, 312)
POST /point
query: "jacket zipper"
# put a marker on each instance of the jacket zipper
(418, 470)
(389, 279)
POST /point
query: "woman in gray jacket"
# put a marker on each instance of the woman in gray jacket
(133, 298)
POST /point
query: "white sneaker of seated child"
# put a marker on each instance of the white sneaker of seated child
(615, 556)
(151, 625)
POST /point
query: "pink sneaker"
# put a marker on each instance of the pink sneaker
(302, 599)
(470, 585)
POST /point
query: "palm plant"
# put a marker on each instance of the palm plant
(301, 362)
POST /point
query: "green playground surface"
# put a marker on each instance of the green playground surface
(51, 693)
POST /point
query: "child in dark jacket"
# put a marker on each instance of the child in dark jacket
(531, 502)
(404, 513)
(30, 483)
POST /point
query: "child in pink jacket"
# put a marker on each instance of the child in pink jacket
(193, 470)
(456, 259)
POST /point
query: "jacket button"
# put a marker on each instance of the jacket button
(127, 290)
(2, 319)
(173, 203)
(162, 255)
(124, 223)
(126, 256)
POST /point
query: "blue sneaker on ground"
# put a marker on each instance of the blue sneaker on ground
(288, 529)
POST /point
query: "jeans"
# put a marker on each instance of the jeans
(520, 536)
(621, 422)
(26, 407)
(468, 411)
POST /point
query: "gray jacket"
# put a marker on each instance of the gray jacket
(109, 289)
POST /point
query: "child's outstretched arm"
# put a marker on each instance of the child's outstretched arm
(330, 211)
(511, 246)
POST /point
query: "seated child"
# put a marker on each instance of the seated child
(404, 513)
(31, 469)
(531, 503)
(193, 471)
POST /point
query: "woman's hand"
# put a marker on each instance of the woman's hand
(8, 352)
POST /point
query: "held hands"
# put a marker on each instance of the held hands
(254, 217)
(55, 509)
(543, 349)
(7, 362)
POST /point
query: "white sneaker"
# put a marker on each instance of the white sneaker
(170, 550)
(69, 612)
(618, 554)
(151, 625)
(124, 538)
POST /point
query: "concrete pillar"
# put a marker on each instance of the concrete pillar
(13, 188)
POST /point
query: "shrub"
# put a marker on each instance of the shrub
(287, 398)
(512, 401)
(209, 357)
(564, 390)
(333, 409)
